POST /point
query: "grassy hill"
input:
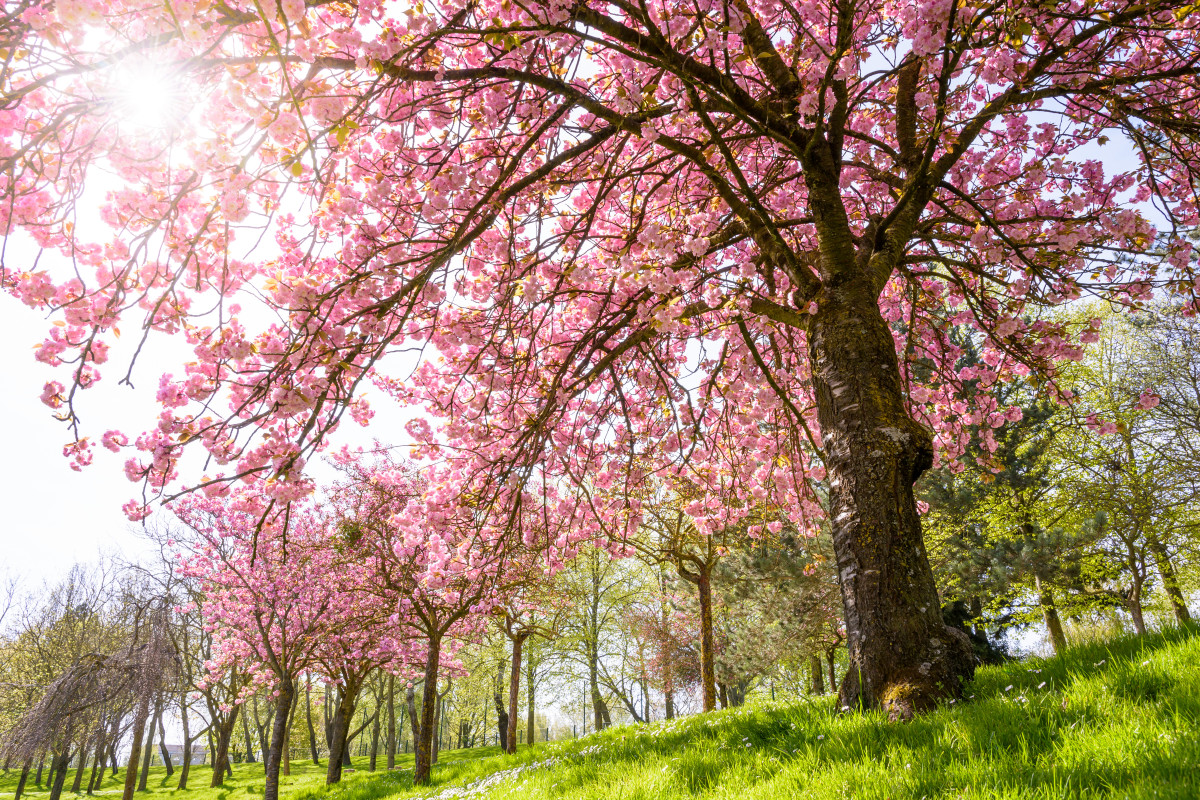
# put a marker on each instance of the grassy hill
(1115, 719)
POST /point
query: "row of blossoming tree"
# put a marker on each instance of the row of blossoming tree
(723, 244)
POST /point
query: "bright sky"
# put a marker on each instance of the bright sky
(53, 516)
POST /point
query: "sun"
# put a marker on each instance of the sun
(146, 97)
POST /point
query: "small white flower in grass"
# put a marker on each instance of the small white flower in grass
(1146, 663)
(822, 736)
(1008, 688)
(1040, 685)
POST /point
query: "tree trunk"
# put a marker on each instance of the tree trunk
(135, 750)
(1166, 570)
(80, 766)
(708, 677)
(250, 758)
(23, 779)
(374, 736)
(1135, 605)
(186, 766)
(530, 721)
(221, 755)
(97, 775)
(815, 671)
(261, 727)
(391, 727)
(1058, 640)
(312, 732)
(59, 769)
(162, 747)
(424, 731)
(903, 657)
(501, 709)
(514, 688)
(601, 719)
(148, 747)
(274, 757)
(339, 731)
(286, 766)
(723, 694)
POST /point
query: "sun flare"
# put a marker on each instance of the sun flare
(146, 97)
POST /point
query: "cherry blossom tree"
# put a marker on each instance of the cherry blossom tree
(269, 600)
(726, 240)
(437, 560)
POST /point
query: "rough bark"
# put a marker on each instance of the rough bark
(708, 676)
(429, 702)
(816, 672)
(274, 751)
(903, 657)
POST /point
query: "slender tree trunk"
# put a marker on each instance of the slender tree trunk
(708, 677)
(501, 710)
(148, 748)
(135, 750)
(59, 767)
(903, 657)
(600, 716)
(288, 712)
(514, 688)
(437, 729)
(261, 727)
(80, 766)
(23, 779)
(723, 694)
(1135, 605)
(97, 763)
(374, 737)
(1166, 570)
(162, 747)
(186, 767)
(429, 700)
(224, 732)
(391, 726)
(250, 757)
(340, 722)
(1058, 640)
(815, 672)
(274, 752)
(41, 765)
(530, 720)
(831, 662)
(312, 732)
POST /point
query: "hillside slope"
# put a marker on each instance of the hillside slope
(1117, 719)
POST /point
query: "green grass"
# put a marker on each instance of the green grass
(1116, 719)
